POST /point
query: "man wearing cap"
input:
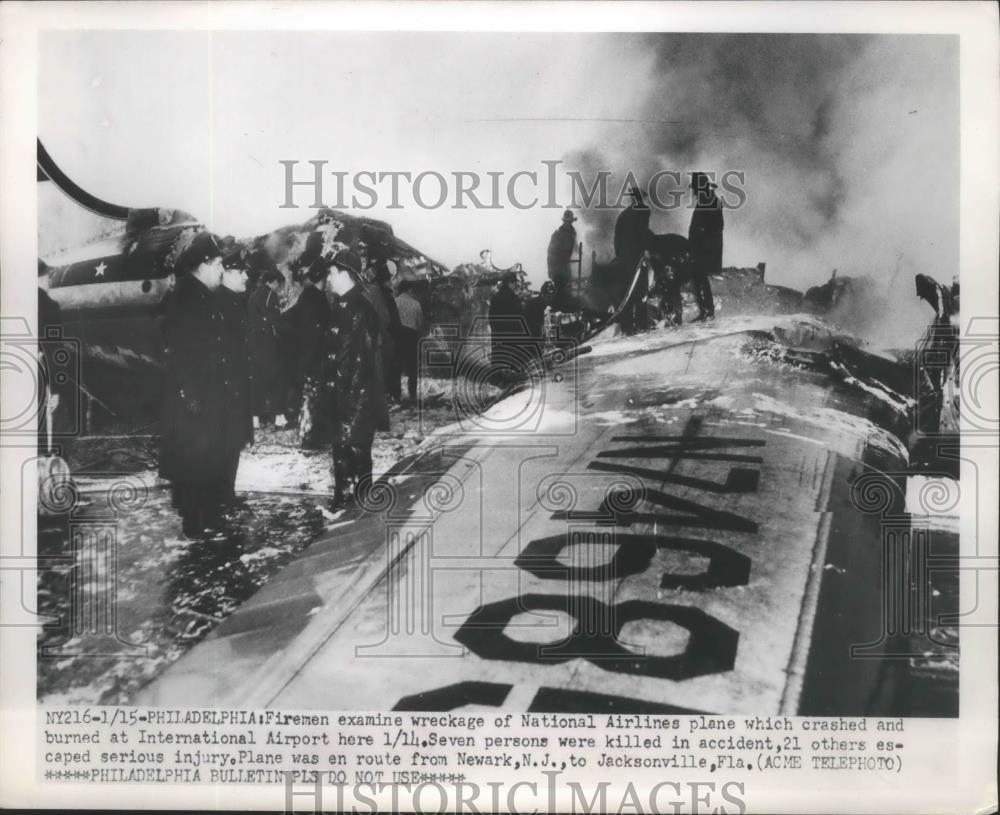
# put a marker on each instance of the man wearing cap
(194, 400)
(236, 429)
(705, 242)
(561, 247)
(631, 239)
(353, 380)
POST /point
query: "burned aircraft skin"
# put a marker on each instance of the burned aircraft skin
(682, 521)
(110, 298)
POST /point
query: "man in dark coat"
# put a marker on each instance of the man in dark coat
(631, 239)
(300, 326)
(269, 387)
(508, 333)
(311, 321)
(194, 401)
(562, 244)
(353, 380)
(236, 430)
(705, 238)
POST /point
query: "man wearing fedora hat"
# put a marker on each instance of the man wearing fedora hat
(561, 247)
(631, 239)
(705, 242)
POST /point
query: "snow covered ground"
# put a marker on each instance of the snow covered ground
(170, 592)
(274, 463)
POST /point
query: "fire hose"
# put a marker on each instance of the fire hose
(559, 355)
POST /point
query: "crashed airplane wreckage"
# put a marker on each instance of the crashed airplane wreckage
(681, 521)
(110, 292)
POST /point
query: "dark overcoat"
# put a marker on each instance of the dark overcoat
(508, 331)
(263, 324)
(561, 247)
(705, 236)
(237, 429)
(354, 382)
(194, 394)
(632, 237)
(311, 321)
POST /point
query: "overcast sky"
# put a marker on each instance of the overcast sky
(849, 144)
(200, 121)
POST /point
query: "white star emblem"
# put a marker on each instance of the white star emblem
(99, 271)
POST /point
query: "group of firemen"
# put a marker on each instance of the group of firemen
(518, 329)
(228, 368)
(673, 259)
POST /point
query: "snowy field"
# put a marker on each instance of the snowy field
(170, 592)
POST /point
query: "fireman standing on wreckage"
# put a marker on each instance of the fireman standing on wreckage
(632, 237)
(705, 242)
(561, 247)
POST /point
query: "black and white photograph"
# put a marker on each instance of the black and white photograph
(594, 378)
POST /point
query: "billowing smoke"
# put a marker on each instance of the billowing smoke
(849, 146)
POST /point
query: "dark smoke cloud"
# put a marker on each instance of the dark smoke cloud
(849, 144)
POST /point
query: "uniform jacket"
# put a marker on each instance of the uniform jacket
(194, 398)
(561, 246)
(310, 322)
(267, 368)
(354, 380)
(237, 429)
(383, 317)
(705, 235)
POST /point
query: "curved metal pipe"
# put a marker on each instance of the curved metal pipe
(49, 170)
